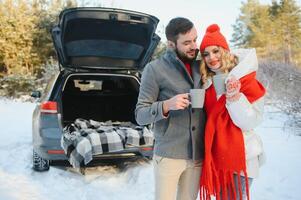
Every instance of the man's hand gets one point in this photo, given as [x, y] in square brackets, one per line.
[232, 89]
[178, 102]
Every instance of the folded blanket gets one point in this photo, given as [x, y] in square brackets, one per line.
[83, 139]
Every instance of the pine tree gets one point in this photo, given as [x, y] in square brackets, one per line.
[273, 30]
[17, 28]
[47, 12]
[25, 39]
[289, 24]
[252, 27]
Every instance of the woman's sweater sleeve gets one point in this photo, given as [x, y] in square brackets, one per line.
[244, 114]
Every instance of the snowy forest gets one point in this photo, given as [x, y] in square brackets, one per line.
[28, 59]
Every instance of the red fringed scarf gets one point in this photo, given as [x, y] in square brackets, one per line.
[224, 144]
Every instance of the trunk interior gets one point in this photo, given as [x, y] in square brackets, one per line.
[100, 97]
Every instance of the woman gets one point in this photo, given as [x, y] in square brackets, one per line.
[232, 150]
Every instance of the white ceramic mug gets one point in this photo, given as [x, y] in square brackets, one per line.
[219, 83]
[197, 97]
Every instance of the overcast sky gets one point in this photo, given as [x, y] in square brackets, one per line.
[201, 12]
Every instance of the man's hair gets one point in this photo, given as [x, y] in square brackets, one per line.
[176, 26]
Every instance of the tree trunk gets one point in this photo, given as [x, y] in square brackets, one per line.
[287, 48]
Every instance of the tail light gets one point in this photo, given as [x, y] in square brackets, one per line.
[146, 148]
[49, 107]
[55, 151]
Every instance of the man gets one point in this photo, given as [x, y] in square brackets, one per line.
[164, 101]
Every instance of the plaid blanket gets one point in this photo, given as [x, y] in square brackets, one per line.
[83, 139]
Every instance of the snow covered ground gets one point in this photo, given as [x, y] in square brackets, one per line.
[280, 177]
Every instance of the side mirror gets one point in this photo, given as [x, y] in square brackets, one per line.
[36, 94]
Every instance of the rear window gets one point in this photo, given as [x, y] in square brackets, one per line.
[85, 83]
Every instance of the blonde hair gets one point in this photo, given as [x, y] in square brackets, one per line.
[229, 61]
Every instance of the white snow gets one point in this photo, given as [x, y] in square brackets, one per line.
[280, 177]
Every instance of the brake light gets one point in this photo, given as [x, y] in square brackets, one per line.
[147, 148]
[49, 107]
[53, 151]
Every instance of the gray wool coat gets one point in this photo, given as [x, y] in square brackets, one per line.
[180, 135]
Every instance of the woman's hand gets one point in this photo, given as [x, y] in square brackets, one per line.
[232, 89]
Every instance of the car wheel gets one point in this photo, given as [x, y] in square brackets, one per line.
[39, 164]
[149, 157]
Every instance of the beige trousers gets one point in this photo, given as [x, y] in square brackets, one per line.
[176, 178]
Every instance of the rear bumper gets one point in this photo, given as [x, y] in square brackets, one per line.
[55, 153]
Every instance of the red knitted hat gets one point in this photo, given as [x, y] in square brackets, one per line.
[213, 37]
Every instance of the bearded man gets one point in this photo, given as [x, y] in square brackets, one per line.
[164, 102]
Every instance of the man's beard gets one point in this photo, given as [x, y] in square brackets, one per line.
[183, 57]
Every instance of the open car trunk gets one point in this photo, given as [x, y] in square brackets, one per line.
[100, 97]
[104, 38]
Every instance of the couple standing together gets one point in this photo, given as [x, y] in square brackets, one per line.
[211, 151]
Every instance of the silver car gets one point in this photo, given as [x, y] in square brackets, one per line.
[101, 52]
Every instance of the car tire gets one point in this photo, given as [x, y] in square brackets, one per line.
[149, 157]
[38, 163]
